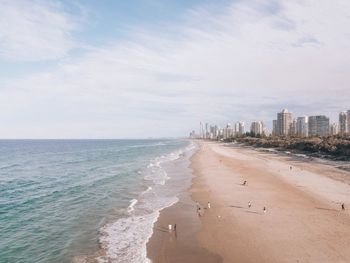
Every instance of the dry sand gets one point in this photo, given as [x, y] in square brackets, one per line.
[303, 223]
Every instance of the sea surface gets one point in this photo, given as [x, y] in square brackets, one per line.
[85, 200]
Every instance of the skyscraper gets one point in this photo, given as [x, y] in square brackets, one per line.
[206, 131]
[302, 126]
[334, 129]
[274, 128]
[293, 127]
[343, 122]
[239, 128]
[284, 120]
[257, 127]
[348, 121]
[318, 125]
[228, 131]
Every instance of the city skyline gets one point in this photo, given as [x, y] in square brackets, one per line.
[286, 124]
[112, 69]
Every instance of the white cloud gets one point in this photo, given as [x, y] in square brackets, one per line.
[34, 30]
[245, 63]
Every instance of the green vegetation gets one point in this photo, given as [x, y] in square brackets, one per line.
[335, 147]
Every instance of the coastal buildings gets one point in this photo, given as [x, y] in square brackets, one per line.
[228, 132]
[257, 127]
[213, 132]
[274, 127]
[207, 135]
[348, 121]
[239, 128]
[334, 129]
[293, 128]
[283, 123]
[302, 126]
[318, 125]
[343, 122]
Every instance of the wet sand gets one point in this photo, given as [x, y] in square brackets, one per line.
[303, 223]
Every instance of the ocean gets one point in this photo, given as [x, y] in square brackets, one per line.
[86, 200]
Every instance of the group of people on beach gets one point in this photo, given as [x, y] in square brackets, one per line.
[172, 228]
[250, 203]
[265, 210]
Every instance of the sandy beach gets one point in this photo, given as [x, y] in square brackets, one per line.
[303, 221]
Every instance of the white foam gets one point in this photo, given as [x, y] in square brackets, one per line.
[125, 239]
[133, 202]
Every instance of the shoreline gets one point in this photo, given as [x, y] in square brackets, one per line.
[303, 220]
[182, 245]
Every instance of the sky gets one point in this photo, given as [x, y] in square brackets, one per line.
[152, 68]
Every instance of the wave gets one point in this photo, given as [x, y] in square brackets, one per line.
[149, 145]
[130, 208]
[125, 239]
[10, 166]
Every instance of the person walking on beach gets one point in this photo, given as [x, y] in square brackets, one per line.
[175, 231]
[343, 206]
[208, 205]
[264, 210]
[198, 209]
[249, 204]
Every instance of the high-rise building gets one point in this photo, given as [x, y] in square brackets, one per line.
[239, 128]
[284, 120]
[206, 131]
[318, 125]
[236, 128]
[274, 128]
[343, 122]
[213, 132]
[257, 127]
[193, 134]
[334, 129]
[348, 121]
[228, 132]
[302, 126]
[293, 128]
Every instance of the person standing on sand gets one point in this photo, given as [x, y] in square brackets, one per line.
[249, 204]
[264, 210]
[343, 206]
[208, 205]
[244, 183]
[175, 231]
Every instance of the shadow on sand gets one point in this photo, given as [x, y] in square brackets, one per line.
[252, 212]
[327, 209]
[161, 229]
[236, 206]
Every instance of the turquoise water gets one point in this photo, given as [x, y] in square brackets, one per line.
[58, 197]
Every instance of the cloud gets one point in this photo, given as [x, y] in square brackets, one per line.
[307, 40]
[219, 67]
[35, 30]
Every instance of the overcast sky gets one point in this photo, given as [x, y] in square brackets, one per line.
[153, 68]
